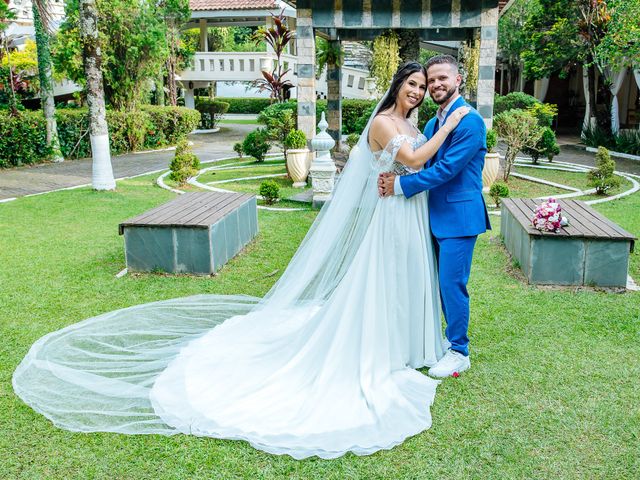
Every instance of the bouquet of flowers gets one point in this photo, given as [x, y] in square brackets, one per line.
[548, 217]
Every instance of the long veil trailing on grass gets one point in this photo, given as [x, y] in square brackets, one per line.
[268, 371]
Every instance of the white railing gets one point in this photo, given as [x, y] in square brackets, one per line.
[247, 66]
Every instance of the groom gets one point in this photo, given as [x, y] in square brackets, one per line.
[457, 211]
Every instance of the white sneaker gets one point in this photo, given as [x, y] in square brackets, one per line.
[452, 363]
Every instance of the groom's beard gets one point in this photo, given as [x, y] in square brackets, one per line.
[447, 96]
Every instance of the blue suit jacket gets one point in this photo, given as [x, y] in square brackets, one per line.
[453, 178]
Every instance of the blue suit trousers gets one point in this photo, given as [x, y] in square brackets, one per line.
[454, 257]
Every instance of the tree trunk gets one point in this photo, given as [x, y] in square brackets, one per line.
[171, 66]
[46, 81]
[98, 130]
[160, 90]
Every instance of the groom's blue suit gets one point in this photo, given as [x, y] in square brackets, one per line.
[457, 213]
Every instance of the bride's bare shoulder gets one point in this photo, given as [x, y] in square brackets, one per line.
[382, 130]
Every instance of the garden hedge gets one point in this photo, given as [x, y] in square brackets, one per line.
[23, 138]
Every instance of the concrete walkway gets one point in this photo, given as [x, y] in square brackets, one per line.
[18, 182]
[29, 180]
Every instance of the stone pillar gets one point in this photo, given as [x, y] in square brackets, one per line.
[487, 66]
[204, 40]
[306, 73]
[189, 99]
[323, 170]
[334, 98]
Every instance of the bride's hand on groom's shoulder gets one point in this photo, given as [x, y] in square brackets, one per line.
[456, 116]
[386, 181]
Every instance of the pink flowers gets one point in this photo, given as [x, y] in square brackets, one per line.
[547, 217]
[455, 375]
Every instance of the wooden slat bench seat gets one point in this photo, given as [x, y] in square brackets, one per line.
[592, 250]
[194, 233]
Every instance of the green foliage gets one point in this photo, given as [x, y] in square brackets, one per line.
[492, 140]
[602, 177]
[546, 146]
[256, 144]
[385, 60]
[185, 164]
[246, 105]
[513, 100]
[134, 46]
[211, 111]
[621, 46]
[352, 111]
[512, 38]
[239, 149]
[295, 139]
[327, 54]
[544, 112]
[352, 140]
[625, 141]
[23, 138]
[497, 191]
[426, 111]
[519, 129]
[270, 191]
[279, 119]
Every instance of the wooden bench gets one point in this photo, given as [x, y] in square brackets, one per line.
[591, 250]
[194, 233]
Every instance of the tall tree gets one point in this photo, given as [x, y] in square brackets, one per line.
[42, 26]
[385, 59]
[512, 39]
[408, 44]
[621, 45]
[102, 172]
[175, 13]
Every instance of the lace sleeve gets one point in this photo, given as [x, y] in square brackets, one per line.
[385, 158]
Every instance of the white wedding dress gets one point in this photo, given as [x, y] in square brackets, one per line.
[323, 365]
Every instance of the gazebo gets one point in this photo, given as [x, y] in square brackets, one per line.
[434, 20]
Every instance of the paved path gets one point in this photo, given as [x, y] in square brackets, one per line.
[18, 182]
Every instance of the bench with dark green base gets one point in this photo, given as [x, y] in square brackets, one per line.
[591, 250]
[195, 233]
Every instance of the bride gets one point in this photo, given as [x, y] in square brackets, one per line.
[324, 364]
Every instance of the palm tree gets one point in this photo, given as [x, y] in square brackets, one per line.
[102, 178]
[42, 26]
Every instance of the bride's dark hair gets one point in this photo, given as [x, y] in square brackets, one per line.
[404, 70]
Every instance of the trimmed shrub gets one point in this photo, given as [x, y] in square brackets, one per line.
[513, 100]
[626, 141]
[246, 105]
[544, 112]
[497, 191]
[602, 177]
[256, 144]
[546, 146]
[175, 123]
[23, 139]
[352, 140]
[270, 191]
[185, 164]
[426, 111]
[211, 111]
[519, 129]
[295, 139]
[352, 111]
[492, 140]
[239, 149]
[362, 121]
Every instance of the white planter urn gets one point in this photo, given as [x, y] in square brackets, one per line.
[323, 170]
[490, 170]
[298, 165]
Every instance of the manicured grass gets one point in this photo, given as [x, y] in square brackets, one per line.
[552, 392]
[240, 121]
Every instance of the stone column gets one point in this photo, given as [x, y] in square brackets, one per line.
[189, 98]
[323, 169]
[306, 73]
[204, 40]
[487, 66]
[334, 98]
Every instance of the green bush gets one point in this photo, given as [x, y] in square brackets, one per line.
[246, 105]
[279, 119]
[362, 121]
[519, 129]
[513, 100]
[23, 138]
[185, 163]
[626, 141]
[256, 144]
[295, 139]
[239, 149]
[492, 140]
[270, 191]
[352, 140]
[352, 111]
[544, 112]
[497, 191]
[546, 146]
[426, 112]
[211, 111]
[602, 177]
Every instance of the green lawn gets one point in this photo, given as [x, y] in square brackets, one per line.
[240, 121]
[552, 392]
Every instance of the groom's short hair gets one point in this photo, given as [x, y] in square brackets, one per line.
[440, 59]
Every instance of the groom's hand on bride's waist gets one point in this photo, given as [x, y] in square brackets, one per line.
[385, 184]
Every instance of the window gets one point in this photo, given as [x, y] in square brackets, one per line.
[361, 83]
[212, 65]
[221, 65]
[350, 80]
[202, 65]
[241, 63]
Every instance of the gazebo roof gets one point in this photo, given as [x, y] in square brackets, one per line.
[232, 4]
